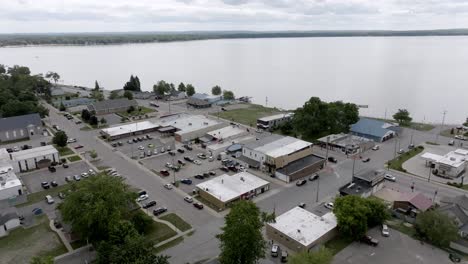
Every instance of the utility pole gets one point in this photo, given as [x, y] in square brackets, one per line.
[435, 194]
[430, 172]
[411, 141]
[442, 127]
[394, 151]
[326, 155]
[318, 189]
[354, 162]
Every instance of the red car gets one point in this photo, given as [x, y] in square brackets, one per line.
[78, 147]
[198, 206]
[164, 172]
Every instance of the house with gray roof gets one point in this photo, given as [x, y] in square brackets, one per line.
[9, 220]
[20, 127]
[75, 102]
[376, 130]
[456, 208]
[112, 106]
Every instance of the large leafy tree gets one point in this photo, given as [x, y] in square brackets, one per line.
[356, 214]
[228, 95]
[114, 95]
[242, 241]
[190, 89]
[317, 118]
[128, 95]
[53, 75]
[436, 227]
[60, 139]
[133, 84]
[321, 256]
[181, 87]
[162, 88]
[216, 90]
[96, 205]
[402, 116]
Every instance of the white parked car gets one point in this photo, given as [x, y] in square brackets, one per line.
[84, 175]
[141, 148]
[329, 205]
[49, 199]
[188, 199]
[155, 152]
[71, 140]
[376, 147]
[142, 197]
[168, 186]
[385, 231]
[197, 162]
[390, 177]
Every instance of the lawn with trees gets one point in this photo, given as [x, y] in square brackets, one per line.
[216, 90]
[133, 84]
[60, 139]
[100, 209]
[190, 89]
[321, 256]
[402, 116]
[18, 90]
[441, 236]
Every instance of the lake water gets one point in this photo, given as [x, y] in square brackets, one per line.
[426, 75]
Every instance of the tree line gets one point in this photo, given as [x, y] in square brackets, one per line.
[19, 92]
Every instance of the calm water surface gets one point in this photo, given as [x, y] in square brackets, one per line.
[426, 75]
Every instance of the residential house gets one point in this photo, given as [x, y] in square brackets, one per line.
[9, 220]
[456, 208]
[412, 203]
[21, 127]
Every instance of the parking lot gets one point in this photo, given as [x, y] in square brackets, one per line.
[132, 149]
[397, 248]
[33, 179]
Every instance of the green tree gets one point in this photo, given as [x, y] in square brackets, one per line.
[189, 89]
[162, 88]
[97, 95]
[2, 69]
[103, 121]
[242, 241]
[403, 117]
[93, 120]
[466, 122]
[96, 205]
[114, 95]
[53, 75]
[436, 227]
[228, 95]
[378, 212]
[216, 90]
[19, 70]
[85, 115]
[60, 139]
[316, 118]
[42, 260]
[130, 109]
[62, 107]
[181, 87]
[321, 256]
[133, 84]
[93, 154]
[128, 95]
[351, 213]
[96, 86]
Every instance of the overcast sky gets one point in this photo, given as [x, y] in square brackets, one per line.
[179, 15]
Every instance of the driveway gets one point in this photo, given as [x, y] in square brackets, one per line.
[396, 249]
[33, 180]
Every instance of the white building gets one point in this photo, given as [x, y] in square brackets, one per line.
[190, 127]
[225, 189]
[9, 220]
[127, 130]
[452, 164]
[10, 185]
[227, 133]
[269, 122]
[301, 230]
[34, 158]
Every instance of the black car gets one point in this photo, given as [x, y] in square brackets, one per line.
[114, 144]
[149, 204]
[135, 140]
[313, 177]
[366, 160]
[233, 168]
[52, 169]
[225, 169]
[213, 173]
[332, 159]
[180, 150]
[370, 240]
[301, 182]
[181, 162]
[186, 181]
[54, 184]
[172, 153]
[64, 165]
[199, 206]
[199, 176]
[188, 147]
[164, 172]
[45, 185]
[159, 211]
[187, 158]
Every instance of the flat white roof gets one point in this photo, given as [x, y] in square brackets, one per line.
[227, 132]
[34, 152]
[8, 177]
[228, 143]
[274, 117]
[454, 158]
[129, 128]
[4, 155]
[304, 226]
[190, 123]
[283, 146]
[227, 188]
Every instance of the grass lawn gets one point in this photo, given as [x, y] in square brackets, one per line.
[38, 196]
[74, 158]
[177, 222]
[169, 244]
[144, 110]
[399, 160]
[398, 225]
[64, 151]
[159, 232]
[23, 244]
[337, 244]
[249, 115]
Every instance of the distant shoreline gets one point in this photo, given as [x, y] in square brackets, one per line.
[104, 39]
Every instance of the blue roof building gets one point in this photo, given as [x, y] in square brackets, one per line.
[373, 129]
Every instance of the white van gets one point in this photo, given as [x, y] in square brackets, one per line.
[49, 199]
[274, 250]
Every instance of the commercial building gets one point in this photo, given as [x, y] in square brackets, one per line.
[300, 230]
[21, 127]
[376, 130]
[9, 220]
[225, 189]
[208, 97]
[226, 133]
[190, 127]
[137, 128]
[10, 185]
[270, 122]
[300, 168]
[228, 146]
[198, 103]
[35, 158]
[451, 165]
[112, 106]
[364, 183]
[275, 152]
[348, 144]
